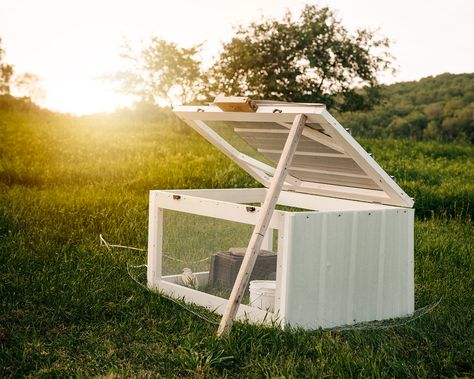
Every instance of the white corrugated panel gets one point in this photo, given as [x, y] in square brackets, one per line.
[348, 267]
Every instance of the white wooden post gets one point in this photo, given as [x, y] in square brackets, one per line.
[262, 225]
[267, 243]
[155, 243]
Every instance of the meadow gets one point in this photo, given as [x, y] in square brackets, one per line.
[69, 308]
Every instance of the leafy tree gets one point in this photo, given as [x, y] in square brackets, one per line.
[311, 59]
[161, 71]
[440, 108]
[6, 72]
[28, 85]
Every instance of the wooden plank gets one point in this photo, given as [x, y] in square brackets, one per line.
[308, 153]
[215, 303]
[331, 178]
[328, 172]
[319, 137]
[262, 115]
[235, 104]
[244, 131]
[261, 226]
[254, 125]
[232, 195]
[324, 203]
[305, 145]
[213, 208]
[155, 242]
[312, 125]
[342, 192]
[329, 164]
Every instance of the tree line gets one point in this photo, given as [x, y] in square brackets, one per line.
[309, 58]
[433, 108]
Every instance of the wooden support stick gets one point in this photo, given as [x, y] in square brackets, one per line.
[262, 225]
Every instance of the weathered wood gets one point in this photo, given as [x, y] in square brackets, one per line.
[262, 225]
[235, 104]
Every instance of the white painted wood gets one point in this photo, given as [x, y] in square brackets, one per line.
[267, 243]
[325, 204]
[261, 225]
[347, 259]
[233, 195]
[343, 192]
[410, 252]
[346, 262]
[155, 242]
[244, 131]
[213, 208]
[308, 153]
[270, 142]
[328, 172]
[334, 136]
[289, 198]
[285, 237]
[216, 304]
[319, 137]
[340, 180]
[202, 276]
[396, 194]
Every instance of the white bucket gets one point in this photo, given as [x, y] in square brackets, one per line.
[262, 294]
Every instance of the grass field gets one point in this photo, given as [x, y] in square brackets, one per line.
[69, 308]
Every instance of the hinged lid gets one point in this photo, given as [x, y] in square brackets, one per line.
[328, 160]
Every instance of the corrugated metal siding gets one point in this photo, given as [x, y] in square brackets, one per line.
[349, 267]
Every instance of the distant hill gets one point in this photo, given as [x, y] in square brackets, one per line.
[433, 108]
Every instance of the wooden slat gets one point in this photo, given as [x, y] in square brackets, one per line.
[250, 132]
[311, 170]
[276, 142]
[319, 137]
[334, 137]
[322, 163]
[334, 179]
[308, 153]
[312, 125]
[254, 125]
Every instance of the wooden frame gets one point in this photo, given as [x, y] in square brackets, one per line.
[356, 227]
[393, 268]
[221, 204]
[340, 140]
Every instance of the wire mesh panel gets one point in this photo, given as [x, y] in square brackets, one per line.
[189, 240]
[206, 253]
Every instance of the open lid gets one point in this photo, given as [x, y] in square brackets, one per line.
[328, 161]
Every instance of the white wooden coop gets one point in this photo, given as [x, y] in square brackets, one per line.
[345, 257]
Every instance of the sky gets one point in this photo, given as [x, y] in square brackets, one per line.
[71, 44]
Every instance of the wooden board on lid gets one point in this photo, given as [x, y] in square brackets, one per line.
[235, 104]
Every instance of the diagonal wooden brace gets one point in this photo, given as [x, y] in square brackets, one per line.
[261, 226]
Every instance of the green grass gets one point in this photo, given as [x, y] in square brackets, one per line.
[69, 308]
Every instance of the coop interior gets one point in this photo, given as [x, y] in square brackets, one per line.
[205, 254]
